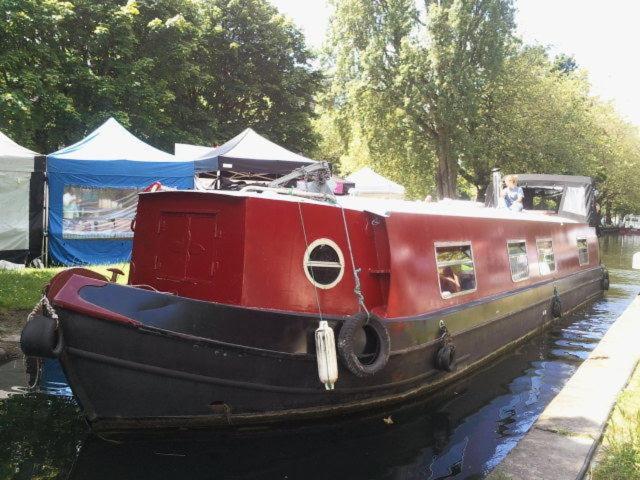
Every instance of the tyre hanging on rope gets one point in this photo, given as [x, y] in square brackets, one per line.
[605, 279]
[41, 336]
[364, 345]
[556, 304]
[445, 357]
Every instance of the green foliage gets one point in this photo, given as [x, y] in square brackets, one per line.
[621, 446]
[435, 98]
[534, 119]
[41, 435]
[170, 70]
[411, 81]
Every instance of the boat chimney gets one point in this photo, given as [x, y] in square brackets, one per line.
[496, 182]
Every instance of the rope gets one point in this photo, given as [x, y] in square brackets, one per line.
[306, 241]
[32, 385]
[46, 306]
[357, 289]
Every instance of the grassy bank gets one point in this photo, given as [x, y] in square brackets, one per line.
[621, 444]
[21, 289]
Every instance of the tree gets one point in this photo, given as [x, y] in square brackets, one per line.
[32, 80]
[534, 118]
[425, 71]
[565, 63]
[170, 70]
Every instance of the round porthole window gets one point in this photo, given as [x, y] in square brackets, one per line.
[323, 263]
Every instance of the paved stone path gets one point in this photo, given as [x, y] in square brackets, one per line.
[560, 444]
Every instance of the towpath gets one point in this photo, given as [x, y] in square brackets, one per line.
[11, 323]
[561, 443]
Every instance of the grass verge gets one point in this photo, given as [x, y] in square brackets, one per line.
[21, 289]
[621, 445]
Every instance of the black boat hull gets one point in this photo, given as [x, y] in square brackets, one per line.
[175, 372]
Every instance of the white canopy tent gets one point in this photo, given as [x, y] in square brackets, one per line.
[21, 197]
[371, 184]
[186, 151]
[250, 152]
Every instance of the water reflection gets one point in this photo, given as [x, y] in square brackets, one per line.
[463, 433]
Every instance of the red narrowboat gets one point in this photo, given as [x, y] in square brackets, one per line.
[238, 303]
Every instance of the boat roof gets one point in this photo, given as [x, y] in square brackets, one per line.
[449, 207]
[387, 207]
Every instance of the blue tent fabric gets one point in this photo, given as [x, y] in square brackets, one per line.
[109, 157]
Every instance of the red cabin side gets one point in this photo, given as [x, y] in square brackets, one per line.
[250, 251]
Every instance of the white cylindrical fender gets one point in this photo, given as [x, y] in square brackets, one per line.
[635, 263]
[326, 355]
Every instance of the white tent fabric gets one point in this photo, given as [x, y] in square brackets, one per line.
[16, 166]
[13, 157]
[371, 184]
[250, 152]
[186, 151]
[110, 137]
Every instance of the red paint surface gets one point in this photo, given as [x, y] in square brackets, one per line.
[249, 251]
[69, 297]
[60, 278]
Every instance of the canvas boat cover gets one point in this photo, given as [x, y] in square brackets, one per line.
[577, 194]
[250, 152]
[93, 193]
[21, 197]
[372, 184]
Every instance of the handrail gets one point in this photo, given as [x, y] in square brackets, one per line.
[289, 191]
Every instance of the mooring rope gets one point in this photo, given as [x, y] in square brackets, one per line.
[48, 308]
[306, 241]
[357, 289]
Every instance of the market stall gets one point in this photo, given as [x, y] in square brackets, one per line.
[93, 193]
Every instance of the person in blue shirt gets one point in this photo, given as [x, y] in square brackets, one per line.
[512, 195]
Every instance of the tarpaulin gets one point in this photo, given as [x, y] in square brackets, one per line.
[21, 200]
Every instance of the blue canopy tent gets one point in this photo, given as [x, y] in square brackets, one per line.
[93, 191]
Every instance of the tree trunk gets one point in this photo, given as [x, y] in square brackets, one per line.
[447, 171]
[482, 191]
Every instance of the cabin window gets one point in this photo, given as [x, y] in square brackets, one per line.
[518, 262]
[456, 272]
[323, 263]
[583, 251]
[546, 258]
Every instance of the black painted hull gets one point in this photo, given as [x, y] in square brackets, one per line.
[129, 377]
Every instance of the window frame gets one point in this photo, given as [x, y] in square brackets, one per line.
[578, 239]
[306, 259]
[463, 243]
[124, 234]
[555, 264]
[526, 254]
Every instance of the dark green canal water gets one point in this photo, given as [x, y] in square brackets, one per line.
[463, 434]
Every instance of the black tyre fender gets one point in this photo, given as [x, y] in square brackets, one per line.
[40, 337]
[445, 357]
[346, 342]
[556, 306]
